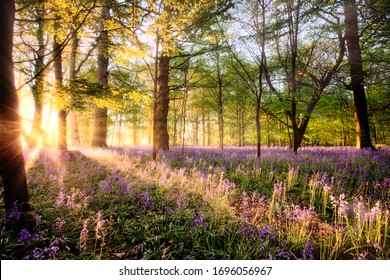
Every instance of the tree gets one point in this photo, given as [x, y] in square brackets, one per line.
[254, 75]
[175, 21]
[58, 75]
[356, 72]
[99, 138]
[12, 170]
[303, 62]
[38, 74]
[218, 90]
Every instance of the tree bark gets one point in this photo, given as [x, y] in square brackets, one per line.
[12, 170]
[162, 104]
[57, 52]
[356, 71]
[99, 138]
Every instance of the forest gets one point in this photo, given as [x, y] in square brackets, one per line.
[204, 130]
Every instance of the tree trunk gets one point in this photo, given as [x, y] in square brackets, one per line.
[258, 129]
[299, 130]
[203, 121]
[99, 138]
[162, 105]
[356, 72]
[357, 129]
[12, 170]
[208, 130]
[62, 142]
[73, 115]
[37, 87]
[196, 128]
[238, 123]
[221, 125]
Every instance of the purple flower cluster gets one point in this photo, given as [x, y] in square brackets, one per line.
[135, 252]
[199, 222]
[14, 214]
[308, 251]
[47, 253]
[146, 201]
[27, 238]
[341, 205]
[252, 233]
[84, 235]
[99, 228]
[297, 214]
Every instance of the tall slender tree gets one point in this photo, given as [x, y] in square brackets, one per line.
[38, 79]
[12, 170]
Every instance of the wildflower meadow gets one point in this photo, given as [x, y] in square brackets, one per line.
[323, 203]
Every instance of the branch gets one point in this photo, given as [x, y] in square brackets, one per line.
[61, 46]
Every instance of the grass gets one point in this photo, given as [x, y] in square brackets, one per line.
[323, 203]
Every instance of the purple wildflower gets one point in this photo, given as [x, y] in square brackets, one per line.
[100, 222]
[199, 222]
[35, 254]
[25, 236]
[170, 210]
[307, 251]
[84, 236]
[14, 214]
[340, 204]
[146, 201]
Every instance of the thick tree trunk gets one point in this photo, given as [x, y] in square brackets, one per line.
[162, 105]
[300, 129]
[357, 130]
[57, 52]
[99, 138]
[62, 141]
[356, 72]
[12, 169]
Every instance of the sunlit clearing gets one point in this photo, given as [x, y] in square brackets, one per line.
[49, 134]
